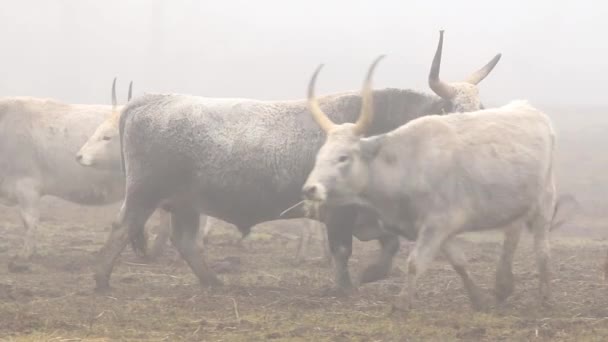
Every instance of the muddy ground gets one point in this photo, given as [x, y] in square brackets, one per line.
[270, 297]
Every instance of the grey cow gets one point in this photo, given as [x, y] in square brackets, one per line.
[38, 141]
[242, 161]
[102, 151]
[440, 176]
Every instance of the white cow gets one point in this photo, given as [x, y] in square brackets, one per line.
[38, 141]
[442, 175]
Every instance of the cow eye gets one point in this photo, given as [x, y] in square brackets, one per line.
[106, 138]
[343, 159]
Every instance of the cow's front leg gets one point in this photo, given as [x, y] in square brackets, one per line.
[459, 263]
[306, 231]
[29, 199]
[340, 236]
[131, 221]
[428, 244]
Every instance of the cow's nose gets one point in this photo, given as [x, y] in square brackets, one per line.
[78, 157]
[309, 191]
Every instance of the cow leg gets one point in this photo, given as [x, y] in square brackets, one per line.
[606, 267]
[340, 223]
[389, 246]
[428, 244]
[29, 198]
[504, 272]
[324, 240]
[206, 229]
[304, 240]
[457, 259]
[540, 227]
[185, 223]
[132, 218]
[164, 231]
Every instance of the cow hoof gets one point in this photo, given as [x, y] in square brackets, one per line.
[102, 284]
[502, 294]
[227, 265]
[155, 252]
[400, 308]
[18, 265]
[211, 282]
[481, 303]
[504, 289]
[374, 273]
[143, 259]
[547, 304]
[102, 289]
[298, 261]
[336, 292]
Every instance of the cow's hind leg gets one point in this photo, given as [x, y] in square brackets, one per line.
[132, 218]
[162, 237]
[428, 244]
[539, 225]
[185, 223]
[457, 259]
[504, 272]
[28, 197]
[606, 267]
[380, 269]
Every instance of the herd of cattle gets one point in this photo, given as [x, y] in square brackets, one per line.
[376, 165]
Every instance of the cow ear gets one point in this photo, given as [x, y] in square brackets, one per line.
[370, 146]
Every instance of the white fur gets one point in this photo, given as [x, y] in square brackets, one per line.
[38, 141]
[443, 175]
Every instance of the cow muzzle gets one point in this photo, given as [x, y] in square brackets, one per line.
[82, 160]
[314, 192]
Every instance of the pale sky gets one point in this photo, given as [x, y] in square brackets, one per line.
[554, 52]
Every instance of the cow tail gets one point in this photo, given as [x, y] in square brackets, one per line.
[121, 133]
[137, 237]
[561, 202]
[136, 233]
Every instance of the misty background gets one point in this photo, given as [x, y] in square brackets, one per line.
[554, 54]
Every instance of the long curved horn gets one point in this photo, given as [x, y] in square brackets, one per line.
[313, 105]
[444, 90]
[130, 91]
[114, 92]
[480, 74]
[367, 100]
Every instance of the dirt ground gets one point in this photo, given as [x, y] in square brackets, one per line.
[269, 297]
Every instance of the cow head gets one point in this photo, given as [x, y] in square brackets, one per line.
[463, 96]
[102, 150]
[341, 166]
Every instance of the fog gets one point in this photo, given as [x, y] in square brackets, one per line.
[553, 51]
